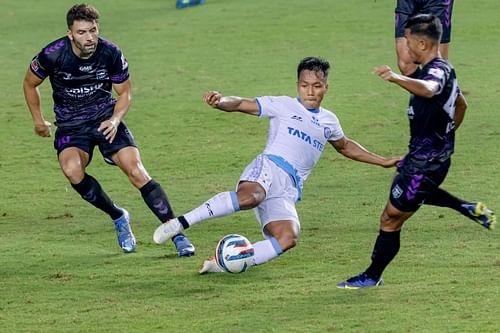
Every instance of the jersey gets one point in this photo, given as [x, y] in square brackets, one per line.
[296, 134]
[81, 88]
[432, 129]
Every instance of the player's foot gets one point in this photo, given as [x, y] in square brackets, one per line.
[183, 246]
[210, 266]
[479, 213]
[167, 230]
[126, 239]
[360, 281]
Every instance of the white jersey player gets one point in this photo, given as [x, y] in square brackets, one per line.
[272, 183]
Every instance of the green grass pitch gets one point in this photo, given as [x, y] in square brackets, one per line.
[61, 269]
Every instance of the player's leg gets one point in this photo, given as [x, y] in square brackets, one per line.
[385, 249]
[73, 161]
[248, 195]
[408, 192]
[280, 237]
[251, 191]
[476, 211]
[128, 159]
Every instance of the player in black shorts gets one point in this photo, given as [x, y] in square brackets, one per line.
[435, 110]
[408, 8]
[83, 69]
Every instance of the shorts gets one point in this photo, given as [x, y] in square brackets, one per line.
[281, 193]
[408, 8]
[415, 180]
[86, 137]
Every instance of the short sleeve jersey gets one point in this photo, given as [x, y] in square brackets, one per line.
[297, 134]
[82, 88]
[432, 129]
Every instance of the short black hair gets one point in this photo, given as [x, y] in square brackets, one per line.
[81, 12]
[425, 25]
[314, 64]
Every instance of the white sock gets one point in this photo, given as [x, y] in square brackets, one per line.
[266, 250]
[221, 204]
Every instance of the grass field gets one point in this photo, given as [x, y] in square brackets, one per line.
[61, 269]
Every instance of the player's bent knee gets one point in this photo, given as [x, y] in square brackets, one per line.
[288, 241]
[138, 176]
[73, 172]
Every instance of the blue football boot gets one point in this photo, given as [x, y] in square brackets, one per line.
[360, 281]
[126, 239]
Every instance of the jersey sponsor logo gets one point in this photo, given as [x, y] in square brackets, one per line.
[295, 117]
[306, 138]
[67, 76]
[86, 68]
[83, 91]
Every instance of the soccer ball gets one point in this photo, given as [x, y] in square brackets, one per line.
[234, 253]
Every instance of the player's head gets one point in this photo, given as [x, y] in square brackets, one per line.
[83, 29]
[423, 33]
[425, 25]
[312, 81]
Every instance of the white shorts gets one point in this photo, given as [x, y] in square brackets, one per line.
[281, 193]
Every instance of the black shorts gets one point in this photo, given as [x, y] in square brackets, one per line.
[415, 180]
[86, 137]
[408, 8]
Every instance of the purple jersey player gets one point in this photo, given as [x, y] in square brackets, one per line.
[435, 110]
[83, 69]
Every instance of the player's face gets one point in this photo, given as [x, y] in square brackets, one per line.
[84, 36]
[413, 44]
[311, 87]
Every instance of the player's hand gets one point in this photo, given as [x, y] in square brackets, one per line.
[43, 129]
[386, 73]
[212, 98]
[391, 162]
[109, 128]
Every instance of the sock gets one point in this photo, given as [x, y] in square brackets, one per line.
[92, 192]
[416, 73]
[441, 198]
[266, 250]
[385, 249]
[155, 197]
[221, 204]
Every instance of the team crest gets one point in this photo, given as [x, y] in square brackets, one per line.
[327, 132]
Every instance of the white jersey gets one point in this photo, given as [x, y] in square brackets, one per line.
[296, 134]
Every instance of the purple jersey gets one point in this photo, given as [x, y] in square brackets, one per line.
[432, 129]
[82, 88]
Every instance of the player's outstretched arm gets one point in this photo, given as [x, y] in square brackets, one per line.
[422, 88]
[231, 103]
[353, 150]
[33, 100]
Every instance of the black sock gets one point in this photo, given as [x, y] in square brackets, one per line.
[385, 249]
[416, 73]
[92, 192]
[156, 199]
[441, 198]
